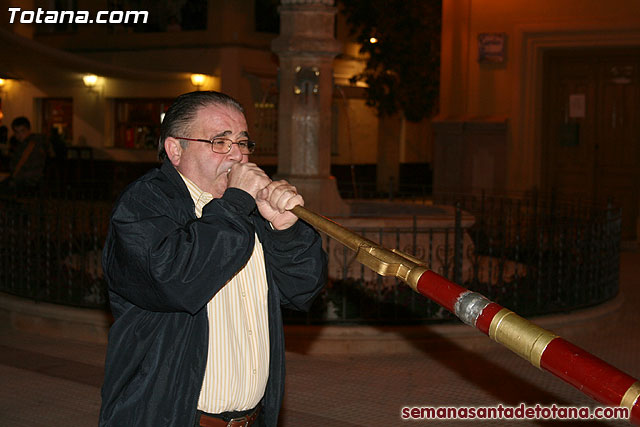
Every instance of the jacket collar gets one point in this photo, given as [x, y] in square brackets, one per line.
[174, 177]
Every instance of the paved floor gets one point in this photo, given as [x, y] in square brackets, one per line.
[47, 382]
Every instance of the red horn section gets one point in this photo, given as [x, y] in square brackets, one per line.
[440, 290]
[587, 373]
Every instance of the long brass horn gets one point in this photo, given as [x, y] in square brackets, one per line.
[540, 347]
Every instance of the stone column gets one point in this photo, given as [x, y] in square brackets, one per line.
[306, 48]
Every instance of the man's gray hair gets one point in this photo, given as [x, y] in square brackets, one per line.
[182, 112]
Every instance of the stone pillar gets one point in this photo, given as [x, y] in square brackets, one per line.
[306, 48]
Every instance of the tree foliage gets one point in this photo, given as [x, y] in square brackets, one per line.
[403, 67]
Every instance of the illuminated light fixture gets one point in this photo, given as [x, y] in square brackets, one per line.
[4, 85]
[198, 80]
[373, 40]
[90, 80]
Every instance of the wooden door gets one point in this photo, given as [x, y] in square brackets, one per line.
[591, 128]
[569, 127]
[617, 165]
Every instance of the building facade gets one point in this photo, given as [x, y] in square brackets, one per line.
[533, 96]
[541, 95]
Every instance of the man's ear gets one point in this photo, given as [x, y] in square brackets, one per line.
[174, 150]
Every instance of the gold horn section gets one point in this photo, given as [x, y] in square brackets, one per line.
[519, 335]
[383, 261]
[631, 396]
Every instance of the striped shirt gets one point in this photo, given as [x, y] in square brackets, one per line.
[238, 350]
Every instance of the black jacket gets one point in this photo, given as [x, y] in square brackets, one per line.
[163, 265]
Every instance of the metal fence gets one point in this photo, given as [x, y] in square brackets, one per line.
[534, 255]
[50, 248]
[531, 254]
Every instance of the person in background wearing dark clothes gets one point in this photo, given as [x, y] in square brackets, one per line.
[27, 163]
[200, 255]
[57, 164]
[58, 145]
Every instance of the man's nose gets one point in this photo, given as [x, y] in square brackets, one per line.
[235, 153]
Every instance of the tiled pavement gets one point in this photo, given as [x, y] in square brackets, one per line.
[47, 382]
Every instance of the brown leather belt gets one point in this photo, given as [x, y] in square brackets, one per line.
[244, 421]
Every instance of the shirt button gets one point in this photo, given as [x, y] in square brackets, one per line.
[249, 331]
[243, 294]
[254, 372]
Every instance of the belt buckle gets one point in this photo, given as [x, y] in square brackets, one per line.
[245, 420]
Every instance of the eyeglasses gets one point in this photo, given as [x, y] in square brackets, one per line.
[223, 145]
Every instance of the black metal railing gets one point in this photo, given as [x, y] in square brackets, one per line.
[535, 255]
[532, 254]
[51, 246]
